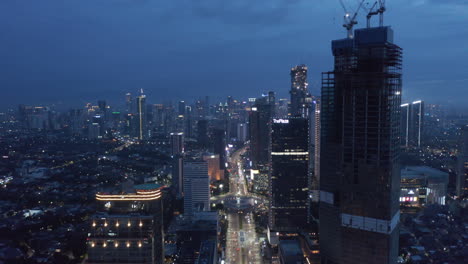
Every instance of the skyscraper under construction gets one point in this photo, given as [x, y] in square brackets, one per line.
[359, 168]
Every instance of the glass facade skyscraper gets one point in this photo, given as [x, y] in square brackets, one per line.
[289, 174]
[259, 129]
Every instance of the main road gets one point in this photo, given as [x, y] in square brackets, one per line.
[242, 244]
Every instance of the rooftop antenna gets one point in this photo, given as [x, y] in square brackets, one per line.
[350, 21]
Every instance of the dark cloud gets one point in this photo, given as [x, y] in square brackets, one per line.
[244, 11]
[56, 50]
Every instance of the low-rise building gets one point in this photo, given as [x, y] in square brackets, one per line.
[421, 185]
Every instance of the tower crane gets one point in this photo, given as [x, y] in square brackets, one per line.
[350, 21]
[379, 11]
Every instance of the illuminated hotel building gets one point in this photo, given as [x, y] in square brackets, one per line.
[360, 150]
[289, 174]
[129, 227]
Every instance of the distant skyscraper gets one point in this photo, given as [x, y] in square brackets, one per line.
[259, 129]
[289, 174]
[282, 108]
[141, 116]
[76, 120]
[177, 153]
[102, 106]
[178, 175]
[405, 124]
[298, 91]
[196, 187]
[100, 119]
[94, 131]
[181, 108]
[35, 117]
[316, 137]
[214, 172]
[177, 143]
[230, 104]
[219, 145]
[188, 122]
[129, 103]
[462, 172]
[128, 228]
[412, 118]
[202, 133]
[242, 132]
[416, 123]
[315, 156]
[360, 168]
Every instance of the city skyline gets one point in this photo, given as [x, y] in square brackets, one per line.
[221, 132]
[105, 49]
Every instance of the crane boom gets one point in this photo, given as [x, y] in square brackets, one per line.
[371, 13]
[378, 11]
[381, 11]
[349, 21]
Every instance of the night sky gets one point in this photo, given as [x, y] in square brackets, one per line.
[70, 52]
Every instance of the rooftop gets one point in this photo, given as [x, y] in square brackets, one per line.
[422, 172]
[148, 186]
[290, 248]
